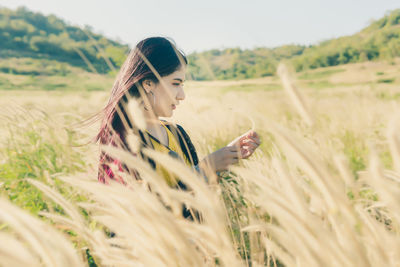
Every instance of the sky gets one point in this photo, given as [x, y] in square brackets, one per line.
[206, 24]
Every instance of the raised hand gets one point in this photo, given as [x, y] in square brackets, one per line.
[248, 143]
[222, 158]
[240, 148]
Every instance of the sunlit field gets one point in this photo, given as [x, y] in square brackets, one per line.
[322, 190]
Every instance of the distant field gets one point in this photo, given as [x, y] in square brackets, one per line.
[45, 75]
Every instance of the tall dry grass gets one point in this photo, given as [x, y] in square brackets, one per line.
[322, 191]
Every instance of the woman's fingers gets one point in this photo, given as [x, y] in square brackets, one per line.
[233, 160]
[235, 154]
[234, 148]
[246, 153]
[252, 135]
[256, 140]
[250, 143]
[242, 148]
[255, 137]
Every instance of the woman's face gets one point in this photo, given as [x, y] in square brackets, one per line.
[167, 93]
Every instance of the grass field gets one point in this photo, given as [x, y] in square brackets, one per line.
[323, 190]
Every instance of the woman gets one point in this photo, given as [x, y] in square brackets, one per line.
[153, 75]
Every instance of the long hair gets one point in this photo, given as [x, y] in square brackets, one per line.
[152, 58]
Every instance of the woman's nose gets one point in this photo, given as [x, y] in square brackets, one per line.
[181, 94]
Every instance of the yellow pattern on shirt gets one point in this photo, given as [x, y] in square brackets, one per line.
[173, 145]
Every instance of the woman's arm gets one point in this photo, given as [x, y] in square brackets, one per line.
[242, 147]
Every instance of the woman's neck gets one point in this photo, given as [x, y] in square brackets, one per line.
[155, 128]
[153, 124]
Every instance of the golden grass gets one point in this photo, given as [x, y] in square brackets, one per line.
[323, 190]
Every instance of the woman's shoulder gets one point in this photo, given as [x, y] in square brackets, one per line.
[184, 141]
[173, 125]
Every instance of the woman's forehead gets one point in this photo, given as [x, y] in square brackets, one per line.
[178, 75]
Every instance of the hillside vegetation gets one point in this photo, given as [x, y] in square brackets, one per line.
[32, 35]
[235, 63]
[379, 41]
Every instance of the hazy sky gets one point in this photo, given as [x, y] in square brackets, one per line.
[204, 24]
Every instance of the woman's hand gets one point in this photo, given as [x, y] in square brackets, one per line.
[221, 159]
[240, 148]
[247, 143]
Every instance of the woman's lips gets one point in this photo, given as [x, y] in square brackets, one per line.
[173, 107]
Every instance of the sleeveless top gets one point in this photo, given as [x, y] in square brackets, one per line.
[173, 149]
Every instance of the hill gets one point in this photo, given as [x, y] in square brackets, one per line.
[33, 44]
[26, 34]
[379, 41]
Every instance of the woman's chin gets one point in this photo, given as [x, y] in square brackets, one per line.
[167, 114]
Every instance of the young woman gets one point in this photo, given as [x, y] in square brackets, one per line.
[153, 75]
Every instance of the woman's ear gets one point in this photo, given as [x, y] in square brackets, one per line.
[148, 85]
